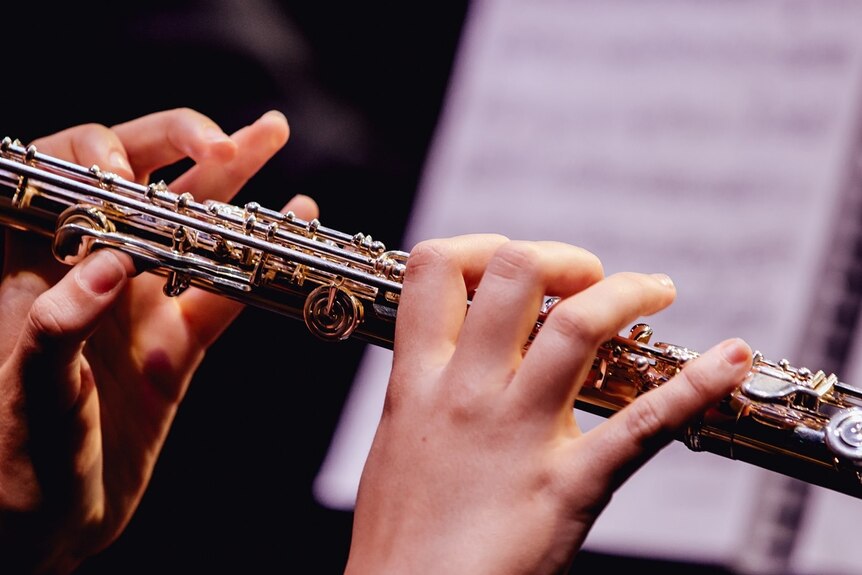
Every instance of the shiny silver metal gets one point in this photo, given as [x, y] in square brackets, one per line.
[802, 424]
[340, 285]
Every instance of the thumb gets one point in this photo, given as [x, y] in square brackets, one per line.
[637, 432]
[61, 319]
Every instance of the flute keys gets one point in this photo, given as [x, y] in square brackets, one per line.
[331, 312]
[844, 435]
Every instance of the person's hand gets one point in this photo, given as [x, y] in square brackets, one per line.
[478, 464]
[95, 358]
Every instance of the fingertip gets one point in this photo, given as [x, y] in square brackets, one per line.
[219, 146]
[278, 127]
[276, 116]
[664, 280]
[119, 164]
[104, 271]
[668, 288]
[736, 351]
[303, 207]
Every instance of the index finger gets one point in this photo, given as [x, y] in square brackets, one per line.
[637, 432]
[163, 138]
[440, 275]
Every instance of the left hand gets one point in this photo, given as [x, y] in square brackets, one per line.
[95, 361]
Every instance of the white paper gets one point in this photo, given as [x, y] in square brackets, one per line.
[828, 542]
[692, 138]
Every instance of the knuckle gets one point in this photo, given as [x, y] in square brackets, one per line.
[513, 260]
[644, 420]
[178, 113]
[92, 130]
[86, 135]
[592, 265]
[44, 319]
[78, 135]
[429, 255]
[470, 403]
[574, 324]
[695, 379]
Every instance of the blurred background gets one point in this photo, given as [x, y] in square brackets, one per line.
[364, 88]
[361, 86]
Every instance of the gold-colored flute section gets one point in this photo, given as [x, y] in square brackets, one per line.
[794, 421]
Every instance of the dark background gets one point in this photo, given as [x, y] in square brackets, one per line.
[362, 86]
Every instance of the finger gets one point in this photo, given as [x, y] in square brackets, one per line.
[163, 138]
[504, 309]
[208, 314]
[563, 350]
[61, 319]
[620, 445]
[440, 275]
[29, 267]
[25, 277]
[87, 145]
[256, 144]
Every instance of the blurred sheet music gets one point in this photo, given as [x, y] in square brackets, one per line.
[708, 140]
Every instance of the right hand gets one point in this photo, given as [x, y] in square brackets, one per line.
[478, 464]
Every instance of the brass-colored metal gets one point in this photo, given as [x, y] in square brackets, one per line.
[791, 420]
[262, 257]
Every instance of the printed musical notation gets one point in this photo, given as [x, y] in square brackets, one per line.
[712, 141]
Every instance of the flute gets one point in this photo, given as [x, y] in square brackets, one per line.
[802, 423]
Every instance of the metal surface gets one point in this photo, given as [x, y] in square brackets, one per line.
[800, 423]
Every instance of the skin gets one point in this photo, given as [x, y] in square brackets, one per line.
[478, 465]
[95, 359]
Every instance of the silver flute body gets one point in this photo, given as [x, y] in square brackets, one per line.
[802, 423]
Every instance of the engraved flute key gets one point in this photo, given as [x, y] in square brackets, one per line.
[791, 420]
[340, 285]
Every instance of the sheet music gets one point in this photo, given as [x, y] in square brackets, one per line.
[828, 542]
[707, 140]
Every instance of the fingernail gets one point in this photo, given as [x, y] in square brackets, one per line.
[735, 351]
[663, 279]
[119, 162]
[100, 272]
